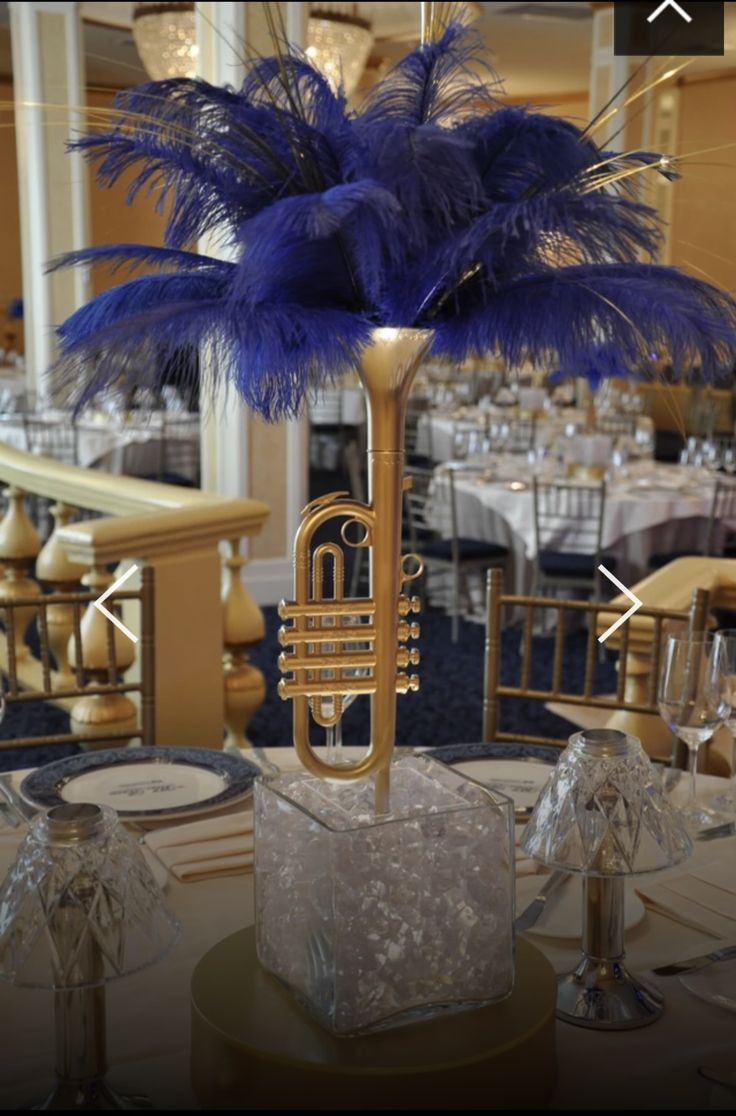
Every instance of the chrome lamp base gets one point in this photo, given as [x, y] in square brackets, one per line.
[603, 994]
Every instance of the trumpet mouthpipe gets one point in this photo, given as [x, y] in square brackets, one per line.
[289, 687]
[339, 661]
[290, 637]
[352, 607]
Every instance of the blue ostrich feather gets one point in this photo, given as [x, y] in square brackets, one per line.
[431, 206]
[603, 363]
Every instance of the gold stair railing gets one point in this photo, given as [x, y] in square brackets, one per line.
[202, 678]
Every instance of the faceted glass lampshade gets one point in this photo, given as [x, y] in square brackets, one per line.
[79, 906]
[603, 811]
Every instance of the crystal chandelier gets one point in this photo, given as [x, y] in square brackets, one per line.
[338, 43]
[166, 40]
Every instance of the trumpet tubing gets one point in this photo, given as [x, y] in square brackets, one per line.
[337, 646]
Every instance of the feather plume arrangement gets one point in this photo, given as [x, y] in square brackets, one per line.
[432, 206]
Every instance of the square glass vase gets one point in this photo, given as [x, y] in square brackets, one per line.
[374, 921]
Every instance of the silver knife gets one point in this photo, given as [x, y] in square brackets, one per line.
[533, 912]
[695, 963]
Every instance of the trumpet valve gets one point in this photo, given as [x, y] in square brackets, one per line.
[408, 657]
[406, 683]
[409, 604]
[408, 631]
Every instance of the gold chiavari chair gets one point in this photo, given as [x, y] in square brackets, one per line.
[529, 687]
[44, 683]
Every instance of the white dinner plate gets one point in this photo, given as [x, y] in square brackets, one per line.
[519, 779]
[144, 784]
[716, 984]
[562, 916]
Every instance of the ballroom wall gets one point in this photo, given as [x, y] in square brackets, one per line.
[703, 211]
[112, 221]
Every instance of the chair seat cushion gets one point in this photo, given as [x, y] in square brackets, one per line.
[470, 550]
[557, 563]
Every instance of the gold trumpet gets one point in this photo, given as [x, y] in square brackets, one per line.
[319, 670]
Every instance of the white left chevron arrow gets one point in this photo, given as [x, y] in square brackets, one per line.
[99, 605]
[627, 615]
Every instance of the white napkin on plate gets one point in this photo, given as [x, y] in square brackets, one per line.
[218, 846]
[703, 897]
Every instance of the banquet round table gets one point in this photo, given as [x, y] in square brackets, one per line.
[650, 508]
[148, 1013]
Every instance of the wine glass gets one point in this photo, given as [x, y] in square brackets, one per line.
[693, 701]
[728, 458]
[711, 455]
[726, 640]
[333, 733]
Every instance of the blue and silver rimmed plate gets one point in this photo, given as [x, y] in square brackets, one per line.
[517, 770]
[144, 784]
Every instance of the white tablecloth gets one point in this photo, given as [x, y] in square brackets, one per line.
[148, 1014]
[436, 429]
[111, 446]
[654, 508]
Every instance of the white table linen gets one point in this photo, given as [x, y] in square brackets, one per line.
[436, 429]
[653, 508]
[148, 1013]
[109, 445]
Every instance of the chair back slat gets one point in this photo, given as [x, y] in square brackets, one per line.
[493, 690]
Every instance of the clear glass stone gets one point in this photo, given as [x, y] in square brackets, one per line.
[374, 921]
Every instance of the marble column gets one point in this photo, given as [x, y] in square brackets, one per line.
[49, 88]
[242, 456]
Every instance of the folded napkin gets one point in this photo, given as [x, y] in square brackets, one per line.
[703, 897]
[200, 850]
[223, 846]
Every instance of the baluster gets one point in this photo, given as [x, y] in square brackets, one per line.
[19, 545]
[245, 686]
[60, 573]
[96, 713]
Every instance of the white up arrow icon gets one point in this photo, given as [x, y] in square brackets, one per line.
[99, 605]
[663, 8]
[627, 615]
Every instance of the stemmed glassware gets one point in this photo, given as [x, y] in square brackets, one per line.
[726, 641]
[694, 696]
[333, 733]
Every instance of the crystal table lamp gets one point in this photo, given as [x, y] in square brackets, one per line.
[603, 814]
[79, 908]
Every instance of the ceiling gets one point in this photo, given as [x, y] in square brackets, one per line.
[539, 49]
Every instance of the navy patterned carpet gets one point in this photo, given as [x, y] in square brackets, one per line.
[447, 709]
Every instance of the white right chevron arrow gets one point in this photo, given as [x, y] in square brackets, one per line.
[627, 615]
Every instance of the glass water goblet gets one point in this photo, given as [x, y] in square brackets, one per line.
[693, 701]
[726, 640]
[333, 733]
[728, 458]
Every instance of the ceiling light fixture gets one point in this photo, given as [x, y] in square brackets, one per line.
[339, 42]
[166, 39]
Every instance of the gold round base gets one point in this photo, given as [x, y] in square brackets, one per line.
[254, 1046]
